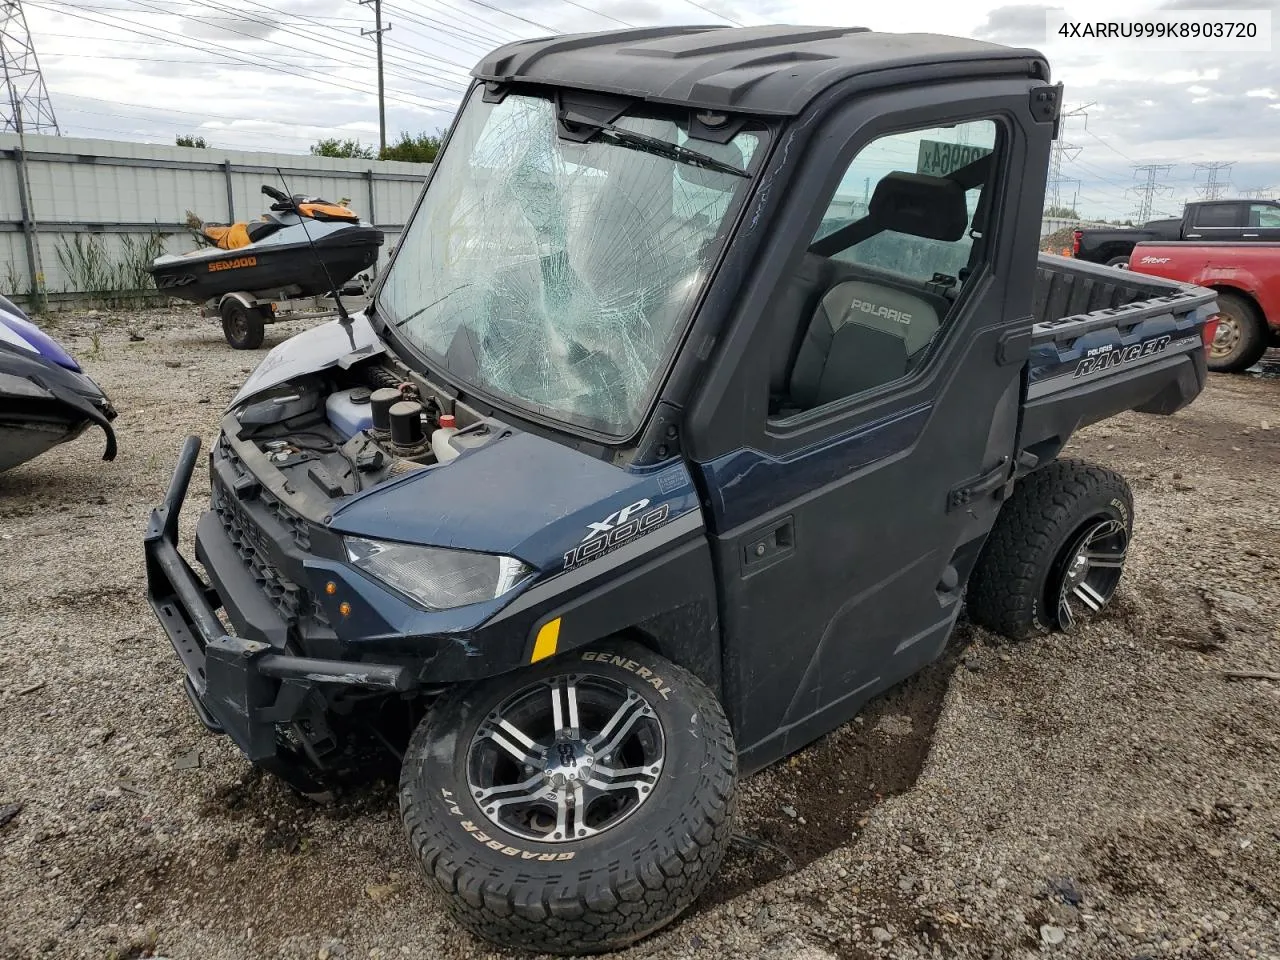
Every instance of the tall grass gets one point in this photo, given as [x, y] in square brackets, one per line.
[119, 280]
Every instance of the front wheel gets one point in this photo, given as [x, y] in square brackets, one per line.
[574, 806]
[1056, 552]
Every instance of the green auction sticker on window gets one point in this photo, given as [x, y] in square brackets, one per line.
[939, 158]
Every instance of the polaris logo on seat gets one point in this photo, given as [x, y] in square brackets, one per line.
[876, 310]
[1104, 358]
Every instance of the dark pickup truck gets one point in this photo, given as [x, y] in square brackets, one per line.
[650, 463]
[1237, 221]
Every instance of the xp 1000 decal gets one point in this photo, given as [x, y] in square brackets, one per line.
[616, 530]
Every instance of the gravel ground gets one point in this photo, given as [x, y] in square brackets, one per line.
[1110, 795]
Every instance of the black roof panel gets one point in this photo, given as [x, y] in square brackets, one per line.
[765, 70]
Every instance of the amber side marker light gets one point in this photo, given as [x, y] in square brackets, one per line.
[331, 588]
[344, 608]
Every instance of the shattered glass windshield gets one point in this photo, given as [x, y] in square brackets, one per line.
[557, 275]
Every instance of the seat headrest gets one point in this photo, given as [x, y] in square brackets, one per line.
[919, 205]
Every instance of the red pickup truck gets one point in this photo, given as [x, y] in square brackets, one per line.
[1247, 278]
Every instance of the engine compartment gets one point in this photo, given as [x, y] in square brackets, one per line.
[338, 434]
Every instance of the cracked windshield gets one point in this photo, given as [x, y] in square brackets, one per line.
[558, 275]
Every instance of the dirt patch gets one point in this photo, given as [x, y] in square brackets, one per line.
[819, 798]
[1119, 762]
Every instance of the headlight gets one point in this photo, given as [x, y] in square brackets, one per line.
[438, 579]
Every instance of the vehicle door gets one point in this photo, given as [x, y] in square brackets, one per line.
[1264, 222]
[881, 389]
[1216, 221]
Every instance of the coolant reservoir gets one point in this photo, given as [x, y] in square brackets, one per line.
[440, 437]
[349, 411]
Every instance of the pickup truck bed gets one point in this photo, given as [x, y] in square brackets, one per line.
[1106, 341]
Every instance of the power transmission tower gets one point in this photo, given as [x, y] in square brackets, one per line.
[1214, 187]
[27, 108]
[377, 32]
[1064, 151]
[1148, 191]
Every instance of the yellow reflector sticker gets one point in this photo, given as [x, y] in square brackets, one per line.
[548, 638]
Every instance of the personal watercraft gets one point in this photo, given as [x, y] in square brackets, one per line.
[304, 247]
[45, 398]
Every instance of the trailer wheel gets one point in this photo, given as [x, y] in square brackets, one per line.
[242, 326]
[1056, 552]
[574, 806]
[1241, 339]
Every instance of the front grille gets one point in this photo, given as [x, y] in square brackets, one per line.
[296, 526]
[293, 602]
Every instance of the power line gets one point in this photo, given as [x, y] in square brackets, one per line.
[598, 13]
[1118, 153]
[715, 13]
[471, 18]
[515, 16]
[169, 38]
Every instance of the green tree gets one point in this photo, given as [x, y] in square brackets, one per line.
[1065, 213]
[344, 149]
[420, 149]
[186, 141]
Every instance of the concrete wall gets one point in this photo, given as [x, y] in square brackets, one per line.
[114, 189]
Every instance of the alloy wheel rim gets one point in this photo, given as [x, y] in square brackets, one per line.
[1092, 570]
[566, 758]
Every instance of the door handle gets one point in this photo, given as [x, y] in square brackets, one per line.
[1251, 235]
[769, 545]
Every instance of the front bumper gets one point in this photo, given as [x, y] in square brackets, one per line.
[241, 687]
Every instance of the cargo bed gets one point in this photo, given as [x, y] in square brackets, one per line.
[1106, 341]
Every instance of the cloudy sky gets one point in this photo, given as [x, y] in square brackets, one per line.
[280, 74]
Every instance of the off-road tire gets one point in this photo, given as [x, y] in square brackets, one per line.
[1251, 335]
[621, 884]
[1013, 588]
[242, 326]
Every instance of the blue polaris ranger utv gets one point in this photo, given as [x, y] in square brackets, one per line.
[714, 373]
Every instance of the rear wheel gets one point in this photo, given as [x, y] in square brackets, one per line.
[1241, 339]
[241, 325]
[1056, 553]
[572, 807]
[1121, 262]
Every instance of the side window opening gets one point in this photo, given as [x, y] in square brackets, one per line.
[900, 238]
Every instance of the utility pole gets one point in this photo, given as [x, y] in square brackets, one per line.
[1064, 151]
[1214, 188]
[1148, 191]
[377, 32]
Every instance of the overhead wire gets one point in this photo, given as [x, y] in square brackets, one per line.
[470, 17]
[348, 46]
[471, 21]
[715, 13]
[56, 6]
